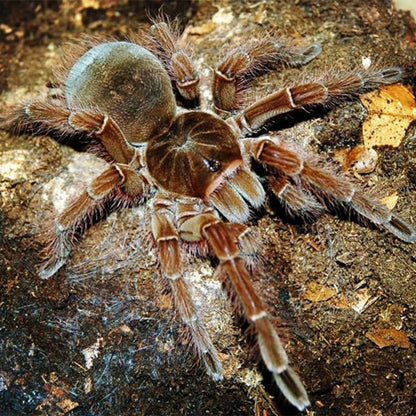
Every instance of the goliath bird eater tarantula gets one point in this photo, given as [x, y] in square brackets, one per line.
[136, 105]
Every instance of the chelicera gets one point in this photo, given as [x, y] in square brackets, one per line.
[203, 172]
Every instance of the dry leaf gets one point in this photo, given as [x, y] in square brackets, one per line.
[67, 405]
[317, 292]
[360, 159]
[390, 201]
[201, 29]
[359, 301]
[362, 299]
[339, 302]
[388, 337]
[390, 111]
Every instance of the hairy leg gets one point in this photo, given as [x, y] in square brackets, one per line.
[244, 63]
[47, 116]
[114, 183]
[305, 177]
[326, 91]
[224, 241]
[164, 41]
[168, 244]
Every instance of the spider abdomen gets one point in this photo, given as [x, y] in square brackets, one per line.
[125, 81]
[194, 155]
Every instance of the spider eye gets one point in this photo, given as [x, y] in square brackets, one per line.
[212, 164]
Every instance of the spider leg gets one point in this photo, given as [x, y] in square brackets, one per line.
[114, 183]
[251, 59]
[20, 119]
[326, 186]
[55, 116]
[297, 201]
[164, 42]
[326, 92]
[168, 244]
[121, 183]
[222, 238]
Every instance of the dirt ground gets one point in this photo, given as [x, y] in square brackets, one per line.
[100, 337]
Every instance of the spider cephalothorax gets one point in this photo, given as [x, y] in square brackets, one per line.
[194, 167]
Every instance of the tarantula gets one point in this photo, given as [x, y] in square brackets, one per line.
[202, 172]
